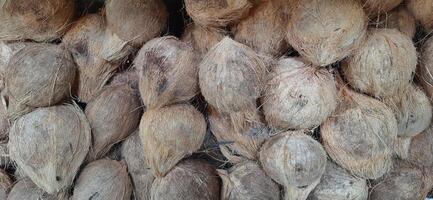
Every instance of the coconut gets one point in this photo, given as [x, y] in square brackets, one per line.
[423, 11]
[7, 50]
[421, 149]
[113, 116]
[399, 18]
[169, 134]
[264, 29]
[384, 65]
[217, 13]
[103, 179]
[129, 76]
[168, 70]
[339, 184]
[141, 175]
[36, 20]
[65, 132]
[425, 69]
[202, 38]
[375, 8]
[190, 179]
[247, 181]
[295, 161]
[4, 121]
[326, 31]
[5, 184]
[299, 96]
[26, 189]
[136, 21]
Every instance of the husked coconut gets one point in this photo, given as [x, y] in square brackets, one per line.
[423, 11]
[103, 179]
[5, 184]
[374, 8]
[190, 179]
[384, 65]
[298, 95]
[247, 180]
[425, 69]
[65, 134]
[294, 160]
[421, 149]
[326, 31]
[35, 20]
[169, 134]
[339, 184]
[26, 189]
[399, 18]
[168, 70]
[202, 38]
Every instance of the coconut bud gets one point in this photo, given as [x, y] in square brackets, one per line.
[375, 8]
[425, 69]
[202, 38]
[26, 189]
[423, 12]
[399, 18]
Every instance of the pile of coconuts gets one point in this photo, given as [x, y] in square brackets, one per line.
[216, 99]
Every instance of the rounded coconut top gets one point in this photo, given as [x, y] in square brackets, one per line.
[5, 184]
[65, 134]
[421, 149]
[326, 31]
[399, 18]
[202, 38]
[26, 189]
[423, 11]
[425, 69]
[374, 8]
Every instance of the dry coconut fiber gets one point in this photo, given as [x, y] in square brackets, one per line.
[399, 18]
[421, 149]
[425, 69]
[26, 189]
[423, 12]
[201, 38]
[374, 8]
[5, 184]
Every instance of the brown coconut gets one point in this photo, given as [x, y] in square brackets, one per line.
[141, 175]
[384, 65]
[374, 8]
[202, 39]
[425, 69]
[247, 181]
[423, 11]
[26, 189]
[339, 184]
[168, 70]
[113, 116]
[190, 179]
[421, 149]
[136, 21]
[65, 134]
[169, 134]
[264, 29]
[103, 179]
[217, 13]
[294, 160]
[399, 18]
[35, 20]
[298, 95]
[326, 31]
[5, 184]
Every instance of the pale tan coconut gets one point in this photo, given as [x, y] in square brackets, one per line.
[294, 160]
[113, 115]
[374, 8]
[423, 11]
[247, 180]
[168, 70]
[326, 31]
[399, 18]
[202, 38]
[36, 20]
[190, 179]
[5, 184]
[425, 69]
[103, 179]
[169, 134]
[421, 149]
[339, 184]
[141, 175]
[298, 95]
[384, 65]
[26, 189]
[65, 133]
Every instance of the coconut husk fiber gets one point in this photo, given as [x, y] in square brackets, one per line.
[5, 184]
[190, 179]
[374, 8]
[4, 121]
[399, 18]
[26, 189]
[202, 39]
[5, 160]
[298, 95]
[425, 69]
[294, 160]
[50, 144]
[168, 71]
[7, 50]
[384, 65]
[35, 20]
[129, 77]
[326, 31]
[103, 179]
[423, 12]
[421, 149]
[113, 115]
[247, 180]
[169, 134]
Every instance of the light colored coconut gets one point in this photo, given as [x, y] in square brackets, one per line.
[423, 11]
[295, 161]
[399, 18]
[103, 179]
[202, 38]
[190, 179]
[247, 181]
[421, 149]
[5, 184]
[425, 69]
[168, 70]
[65, 133]
[384, 65]
[326, 31]
[26, 189]
[298, 95]
[374, 8]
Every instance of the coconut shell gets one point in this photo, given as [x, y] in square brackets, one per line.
[247, 181]
[26, 189]
[299, 96]
[384, 65]
[374, 8]
[103, 179]
[190, 179]
[5, 184]
[326, 31]
[141, 175]
[169, 134]
[202, 39]
[113, 116]
[168, 70]
[421, 149]
[399, 18]
[35, 20]
[65, 133]
[136, 21]
[294, 160]
[423, 12]
[339, 184]
[425, 69]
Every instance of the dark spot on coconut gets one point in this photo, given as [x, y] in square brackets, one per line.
[80, 48]
[337, 29]
[71, 147]
[94, 196]
[162, 86]
[351, 183]
[303, 186]
[298, 167]
[58, 178]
